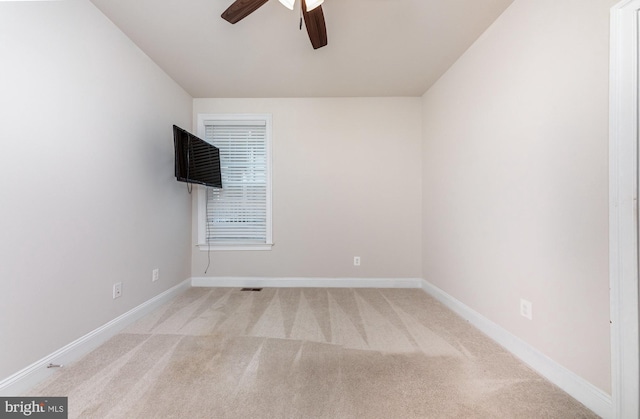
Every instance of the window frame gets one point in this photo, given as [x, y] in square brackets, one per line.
[202, 190]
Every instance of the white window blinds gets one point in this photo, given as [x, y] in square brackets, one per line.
[240, 213]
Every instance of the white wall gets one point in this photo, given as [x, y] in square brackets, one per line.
[346, 182]
[515, 177]
[87, 187]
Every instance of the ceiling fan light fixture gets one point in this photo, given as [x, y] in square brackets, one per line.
[288, 3]
[312, 4]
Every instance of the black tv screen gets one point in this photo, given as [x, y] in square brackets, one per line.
[196, 161]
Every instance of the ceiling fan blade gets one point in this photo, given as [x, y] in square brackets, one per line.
[241, 9]
[316, 28]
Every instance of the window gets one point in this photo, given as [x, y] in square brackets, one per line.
[238, 216]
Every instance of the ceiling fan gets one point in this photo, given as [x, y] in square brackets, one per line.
[311, 11]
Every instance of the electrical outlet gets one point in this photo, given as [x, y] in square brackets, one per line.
[117, 290]
[526, 309]
[356, 261]
[155, 275]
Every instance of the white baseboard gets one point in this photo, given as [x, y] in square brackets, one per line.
[255, 282]
[579, 388]
[27, 378]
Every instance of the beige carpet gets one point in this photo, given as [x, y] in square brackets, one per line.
[305, 353]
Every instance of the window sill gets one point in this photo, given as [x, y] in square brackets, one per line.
[239, 247]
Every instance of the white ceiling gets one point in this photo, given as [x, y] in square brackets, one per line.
[376, 47]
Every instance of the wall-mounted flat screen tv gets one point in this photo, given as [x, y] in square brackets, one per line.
[196, 161]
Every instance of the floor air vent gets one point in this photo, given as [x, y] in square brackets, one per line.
[251, 289]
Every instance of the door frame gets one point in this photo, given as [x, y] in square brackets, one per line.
[623, 209]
